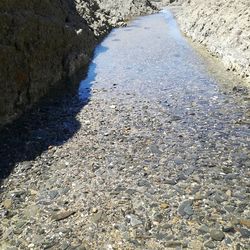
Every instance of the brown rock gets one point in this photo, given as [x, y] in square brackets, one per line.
[7, 203]
[62, 215]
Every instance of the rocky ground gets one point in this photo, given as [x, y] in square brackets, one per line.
[139, 165]
[127, 181]
[223, 27]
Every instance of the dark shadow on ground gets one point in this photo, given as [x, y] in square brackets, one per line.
[50, 123]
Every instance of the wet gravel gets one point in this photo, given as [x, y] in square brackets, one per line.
[160, 159]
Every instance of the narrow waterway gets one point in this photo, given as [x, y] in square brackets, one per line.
[160, 159]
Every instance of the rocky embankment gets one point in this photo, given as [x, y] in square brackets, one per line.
[223, 27]
[44, 44]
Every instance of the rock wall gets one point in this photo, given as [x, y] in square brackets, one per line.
[164, 3]
[122, 10]
[223, 27]
[43, 44]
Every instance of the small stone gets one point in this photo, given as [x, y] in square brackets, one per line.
[229, 193]
[228, 241]
[53, 194]
[170, 181]
[82, 247]
[228, 229]
[97, 217]
[227, 170]
[244, 233]
[164, 206]
[173, 244]
[134, 220]
[219, 198]
[33, 192]
[64, 245]
[20, 223]
[196, 178]
[185, 208]
[131, 191]
[31, 211]
[210, 244]
[7, 204]
[217, 235]
[204, 229]
[94, 210]
[142, 183]
[62, 215]
[198, 196]
[245, 223]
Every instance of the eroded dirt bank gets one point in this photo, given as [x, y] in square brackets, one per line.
[223, 27]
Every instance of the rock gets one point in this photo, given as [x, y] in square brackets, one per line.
[204, 229]
[142, 183]
[173, 244]
[170, 181]
[228, 228]
[97, 217]
[185, 208]
[245, 223]
[7, 204]
[62, 215]
[94, 210]
[134, 220]
[20, 223]
[245, 233]
[53, 194]
[164, 206]
[229, 193]
[210, 244]
[217, 235]
[31, 211]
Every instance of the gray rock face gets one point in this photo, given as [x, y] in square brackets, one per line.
[223, 27]
[121, 10]
[43, 44]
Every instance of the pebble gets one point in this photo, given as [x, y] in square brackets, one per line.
[134, 220]
[185, 208]
[62, 215]
[7, 204]
[204, 229]
[217, 235]
[210, 244]
[245, 233]
[164, 206]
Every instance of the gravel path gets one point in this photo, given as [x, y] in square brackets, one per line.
[158, 159]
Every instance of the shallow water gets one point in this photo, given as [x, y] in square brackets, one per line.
[151, 60]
